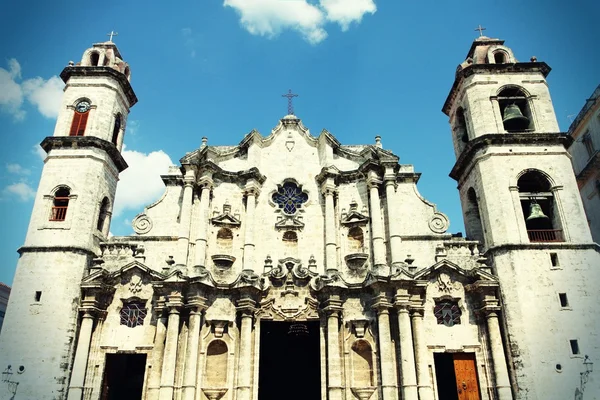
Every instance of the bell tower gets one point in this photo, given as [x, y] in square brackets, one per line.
[70, 217]
[520, 200]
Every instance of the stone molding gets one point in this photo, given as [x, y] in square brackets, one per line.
[102, 71]
[82, 142]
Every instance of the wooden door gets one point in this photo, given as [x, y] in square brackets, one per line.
[467, 386]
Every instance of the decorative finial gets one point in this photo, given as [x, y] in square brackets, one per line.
[378, 141]
[290, 96]
[533, 59]
[111, 34]
[480, 29]
[204, 141]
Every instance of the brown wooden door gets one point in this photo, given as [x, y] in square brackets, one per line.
[467, 386]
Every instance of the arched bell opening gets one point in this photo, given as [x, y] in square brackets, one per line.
[473, 224]
[94, 59]
[500, 57]
[515, 110]
[539, 210]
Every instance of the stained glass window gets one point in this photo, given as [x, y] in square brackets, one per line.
[289, 197]
[133, 314]
[447, 313]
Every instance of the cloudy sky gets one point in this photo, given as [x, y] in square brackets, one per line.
[217, 68]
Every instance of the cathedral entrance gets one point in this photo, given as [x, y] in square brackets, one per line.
[123, 377]
[290, 363]
[456, 376]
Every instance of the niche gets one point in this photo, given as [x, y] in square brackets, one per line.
[362, 364]
[216, 364]
[224, 241]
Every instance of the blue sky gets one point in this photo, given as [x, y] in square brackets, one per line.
[218, 68]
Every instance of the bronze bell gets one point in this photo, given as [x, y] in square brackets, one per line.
[535, 212]
[513, 119]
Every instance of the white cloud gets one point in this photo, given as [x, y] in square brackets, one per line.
[44, 94]
[37, 149]
[17, 169]
[270, 17]
[140, 184]
[22, 190]
[344, 12]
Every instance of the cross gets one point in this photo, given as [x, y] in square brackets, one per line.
[480, 29]
[111, 34]
[290, 96]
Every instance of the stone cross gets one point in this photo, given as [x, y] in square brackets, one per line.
[290, 96]
[111, 34]
[480, 29]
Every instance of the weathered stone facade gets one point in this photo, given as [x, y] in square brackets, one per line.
[293, 266]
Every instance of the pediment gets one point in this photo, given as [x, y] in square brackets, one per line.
[226, 220]
[355, 218]
[289, 222]
[475, 274]
[103, 276]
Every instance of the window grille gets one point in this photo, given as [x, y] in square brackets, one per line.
[133, 314]
[289, 197]
[447, 313]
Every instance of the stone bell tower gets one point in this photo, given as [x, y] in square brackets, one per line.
[70, 217]
[520, 200]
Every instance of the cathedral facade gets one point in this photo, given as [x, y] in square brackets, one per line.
[294, 266]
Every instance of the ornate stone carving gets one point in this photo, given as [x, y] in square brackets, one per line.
[445, 284]
[353, 217]
[226, 218]
[439, 223]
[142, 224]
[135, 284]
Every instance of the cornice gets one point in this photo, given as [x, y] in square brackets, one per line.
[101, 71]
[492, 69]
[78, 142]
[505, 139]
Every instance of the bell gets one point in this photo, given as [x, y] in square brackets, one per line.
[513, 119]
[535, 212]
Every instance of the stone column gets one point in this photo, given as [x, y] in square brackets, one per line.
[185, 217]
[191, 353]
[392, 214]
[424, 383]
[157, 355]
[202, 237]
[170, 355]
[330, 233]
[251, 192]
[407, 355]
[498, 357]
[81, 357]
[246, 308]
[379, 258]
[389, 375]
[333, 309]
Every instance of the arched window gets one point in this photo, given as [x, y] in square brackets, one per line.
[224, 241]
[537, 201]
[94, 58]
[216, 364]
[60, 203]
[362, 364]
[80, 117]
[104, 213]
[356, 240]
[473, 224]
[499, 57]
[514, 107]
[116, 129]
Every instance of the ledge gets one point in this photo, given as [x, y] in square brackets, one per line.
[542, 246]
[61, 249]
[590, 169]
[74, 142]
[102, 71]
[506, 139]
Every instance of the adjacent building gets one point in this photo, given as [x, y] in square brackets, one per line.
[585, 151]
[4, 293]
[290, 265]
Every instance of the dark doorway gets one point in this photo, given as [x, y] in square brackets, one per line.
[445, 376]
[289, 353]
[123, 377]
[456, 376]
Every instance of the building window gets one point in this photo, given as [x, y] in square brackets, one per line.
[80, 117]
[60, 204]
[103, 215]
[473, 224]
[94, 58]
[514, 107]
[289, 197]
[574, 347]
[499, 57]
[537, 203]
[564, 301]
[133, 314]
[447, 313]
[116, 129]
[554, 260]
[588, 144]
